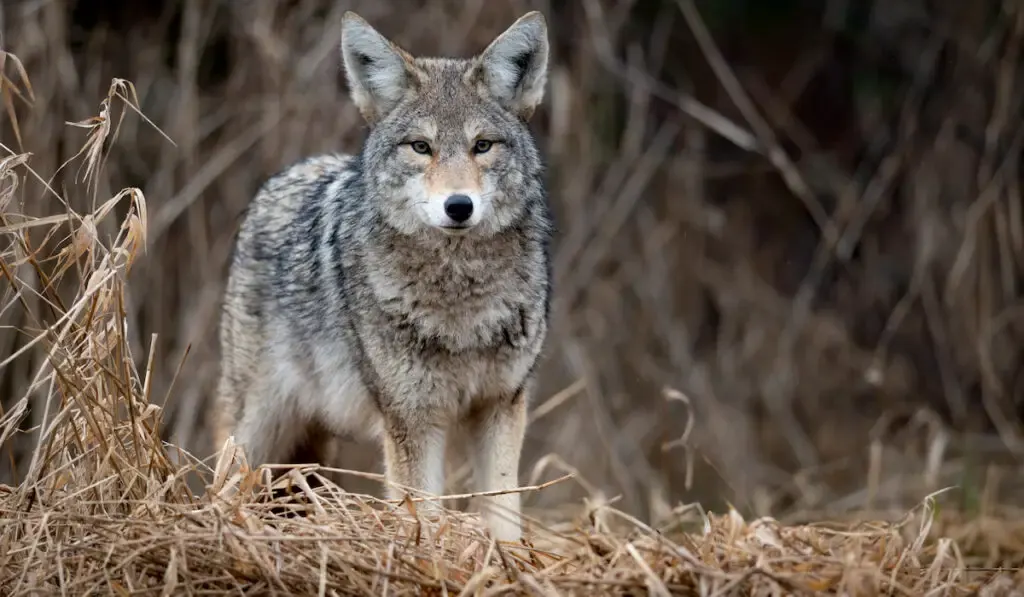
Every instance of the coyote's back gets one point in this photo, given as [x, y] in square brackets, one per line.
[402, 293]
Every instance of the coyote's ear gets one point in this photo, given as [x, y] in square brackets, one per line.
[378, 72]
[514, 67]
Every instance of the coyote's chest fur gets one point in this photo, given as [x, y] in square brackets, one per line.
[454, 302]
[464, 317]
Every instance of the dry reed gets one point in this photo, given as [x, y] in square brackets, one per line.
[101, 503]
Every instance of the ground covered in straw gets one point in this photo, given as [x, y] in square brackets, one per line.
[126, 529]
[104, 506]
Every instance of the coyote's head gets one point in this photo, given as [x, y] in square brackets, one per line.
[449, 151]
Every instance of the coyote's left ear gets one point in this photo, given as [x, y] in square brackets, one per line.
[514, 67]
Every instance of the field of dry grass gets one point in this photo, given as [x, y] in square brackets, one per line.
[776, 305]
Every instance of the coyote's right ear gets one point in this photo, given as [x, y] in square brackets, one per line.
[377, 71]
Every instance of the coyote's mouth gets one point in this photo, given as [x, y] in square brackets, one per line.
[457, 230]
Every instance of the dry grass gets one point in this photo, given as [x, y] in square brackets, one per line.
[109, 296]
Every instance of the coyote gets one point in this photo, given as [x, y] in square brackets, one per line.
[401, 294]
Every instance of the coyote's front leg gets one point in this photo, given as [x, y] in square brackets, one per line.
[497, 433]
[414, 458]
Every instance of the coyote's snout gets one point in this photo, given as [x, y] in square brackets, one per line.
[452, 188]
[401, 294]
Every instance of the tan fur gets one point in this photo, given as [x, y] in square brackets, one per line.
[457, 174]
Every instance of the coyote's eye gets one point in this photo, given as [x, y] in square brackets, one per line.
[482, 146]
[421, 147]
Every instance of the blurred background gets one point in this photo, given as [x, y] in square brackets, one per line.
[790, 237]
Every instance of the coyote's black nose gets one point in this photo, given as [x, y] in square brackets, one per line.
[458, 207]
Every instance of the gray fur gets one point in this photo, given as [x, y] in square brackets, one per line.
[350, 308]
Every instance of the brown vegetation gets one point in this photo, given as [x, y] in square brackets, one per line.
[779, 286]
